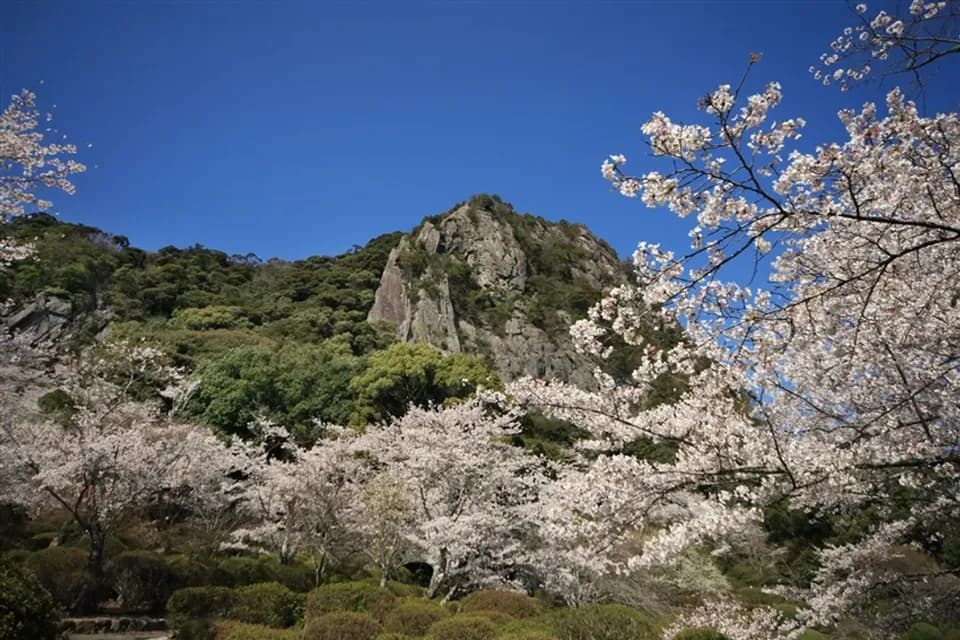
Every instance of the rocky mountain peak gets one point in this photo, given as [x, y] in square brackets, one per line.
[484, 279]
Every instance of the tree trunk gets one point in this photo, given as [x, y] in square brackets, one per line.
[439, 573]
[97, 542]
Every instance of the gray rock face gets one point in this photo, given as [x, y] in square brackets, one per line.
[43, 323]
[495, 249]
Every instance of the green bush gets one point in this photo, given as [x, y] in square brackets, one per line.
[211, 317]
[343, 625]
[189, 571]
[63, 572]
[532, 628]
[234, 630]
[700, 634]
[200, 602]
[414, 617]
[269, 603]
[463, 628]
[142, 580]
[499, 618]
[923, 631]
[527, 635]
[26, 609]
[518, 605]
[812, 634]
[190, 611]
[240, 571]
[360, 597]
[603, 622]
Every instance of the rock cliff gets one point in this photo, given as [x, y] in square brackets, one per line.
[484, 279]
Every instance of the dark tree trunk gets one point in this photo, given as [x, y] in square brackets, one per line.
[97, 542]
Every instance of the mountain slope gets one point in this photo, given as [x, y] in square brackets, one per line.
[484, 279]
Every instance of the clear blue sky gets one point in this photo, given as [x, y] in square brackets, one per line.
[293, 128]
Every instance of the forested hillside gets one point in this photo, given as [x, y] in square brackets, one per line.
[301, 342]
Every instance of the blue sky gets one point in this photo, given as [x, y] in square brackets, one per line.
[292, 128]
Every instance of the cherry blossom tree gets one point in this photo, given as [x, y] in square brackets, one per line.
[105, 457]
[907, 41]
[382, 517]
[466, 487]
[832, 389]
[301, 502]
[28, 166]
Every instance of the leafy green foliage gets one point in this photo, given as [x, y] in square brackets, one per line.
[528, 629]
[466, 627]
[238, 571]
[923, 631]
[414, 617]
[234, 630]
[342, 625]
[518, 605]
[63, 572]
[603, 622]
[201, 289]
[268, 603]
[57, 405]
[294, 385]
[419, 374]
[26, 609]
[359, 596]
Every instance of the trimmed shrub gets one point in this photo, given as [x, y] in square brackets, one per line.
[63, 572]
[923, 631]
[403, 590]
[527, 629]
[701, 633]
[190, 611]
[142, 580]
[603, 622]
[189, 571]
[518, 605]
[463, 628]
[234, 630]
[27, 609]
[358, 597]
[342, 625]
[414, 617]
[498, 618]
[240, 571]
[296, 577]
[268, 603]
[200, 602]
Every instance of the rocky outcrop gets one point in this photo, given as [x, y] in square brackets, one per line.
[43, 323]
[483, 279]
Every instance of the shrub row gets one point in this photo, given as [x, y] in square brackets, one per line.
[363, 611]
